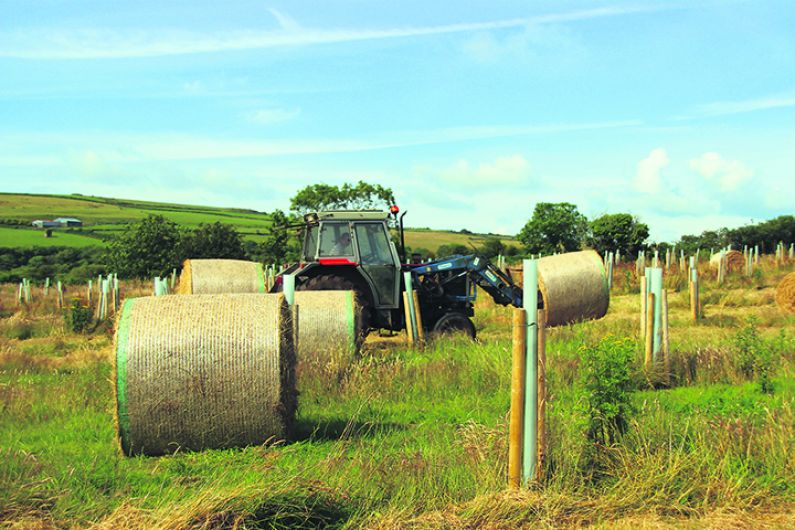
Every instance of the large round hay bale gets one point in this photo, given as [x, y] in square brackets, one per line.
[204, 371]
[573, 287]
[735, 261]
[216, 276]
[785, 293]
[327, 328]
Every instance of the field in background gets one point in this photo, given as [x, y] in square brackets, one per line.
[406, 438]
[103, 217]
[26, 238]
[433, 239]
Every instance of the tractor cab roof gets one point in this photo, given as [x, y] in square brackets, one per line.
[346, 215]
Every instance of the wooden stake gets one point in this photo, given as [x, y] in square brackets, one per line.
[516, 430]
[649, 330]
[542, 395]
[420, 331]
[407, 310]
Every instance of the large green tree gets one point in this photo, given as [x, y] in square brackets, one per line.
[362, 195]
[618, 231]
[216, 240]
[145, 249]
[554, 227]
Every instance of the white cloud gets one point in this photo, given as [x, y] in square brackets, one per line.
[537, 42]
[727, 174]
[55, 43]
[648, 178]
[285, 22]
[721, 108]
[512, 170]
[268, 116]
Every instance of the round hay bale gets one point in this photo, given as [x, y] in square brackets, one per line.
[327, 329]
[735, 261]
[216, 276]
[204, 371]
[785, 293]
[573, 287]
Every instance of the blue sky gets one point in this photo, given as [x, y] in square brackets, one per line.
[680, 112]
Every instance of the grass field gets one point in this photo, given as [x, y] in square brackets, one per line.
[27, 237]
[432, 240]
[406, 438]
[114, 214]
[104, 216]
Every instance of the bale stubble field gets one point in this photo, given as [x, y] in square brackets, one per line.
[399, 438]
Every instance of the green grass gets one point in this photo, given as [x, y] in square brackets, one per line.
[399, 438]
[28, 237]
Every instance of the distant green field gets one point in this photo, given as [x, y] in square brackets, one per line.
[27, 237]
[108, 216]
[101, 211]
[432, 240]
[105, 216]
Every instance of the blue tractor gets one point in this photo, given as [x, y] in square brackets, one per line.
[354, 250]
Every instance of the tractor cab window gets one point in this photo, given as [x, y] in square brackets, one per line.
[335, 240]
[310, 243]
[373, 244]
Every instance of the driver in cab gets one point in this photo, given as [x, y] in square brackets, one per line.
[343, 245]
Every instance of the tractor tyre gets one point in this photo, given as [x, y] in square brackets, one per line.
[327, 282]
[455, 323]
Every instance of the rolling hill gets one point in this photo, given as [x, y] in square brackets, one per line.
[103, 217]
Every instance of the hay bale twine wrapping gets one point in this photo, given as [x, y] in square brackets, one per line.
[327, 325]
[204, 371]
[573, 287]
[216, 276]
[735, 261]
[785, 293]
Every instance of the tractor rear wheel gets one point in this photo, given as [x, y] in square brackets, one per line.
[328, 282]
[455, 323]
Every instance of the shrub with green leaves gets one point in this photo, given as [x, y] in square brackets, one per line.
[607, 387]
[755, 358]
[79, 317]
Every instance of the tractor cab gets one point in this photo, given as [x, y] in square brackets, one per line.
[353, 250]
